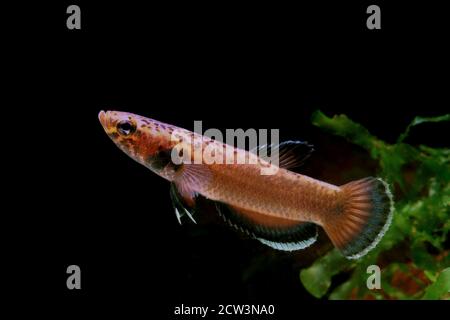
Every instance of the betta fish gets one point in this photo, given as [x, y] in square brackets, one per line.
[281, 210]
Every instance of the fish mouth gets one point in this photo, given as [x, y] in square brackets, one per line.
[103, 117]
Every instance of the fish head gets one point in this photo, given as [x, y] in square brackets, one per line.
[147, 141]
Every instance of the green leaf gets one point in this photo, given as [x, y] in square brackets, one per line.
[419, 120]
[430, 275]
[422, 258]
[343, 291]
[441, 288]
[342, 126]
[421, 224]
[317, 278]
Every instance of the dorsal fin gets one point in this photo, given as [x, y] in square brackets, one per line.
[291, 154]
[278, 233]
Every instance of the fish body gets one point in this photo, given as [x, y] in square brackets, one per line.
[285, 194]
[282, 209]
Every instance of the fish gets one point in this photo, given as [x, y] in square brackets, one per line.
[283, 210]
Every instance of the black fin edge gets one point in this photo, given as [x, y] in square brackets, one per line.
[292, 154]
[304, 231]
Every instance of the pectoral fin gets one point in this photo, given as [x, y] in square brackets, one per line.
[188, 179]
[191, 177]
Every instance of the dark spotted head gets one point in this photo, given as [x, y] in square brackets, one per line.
[145, 140]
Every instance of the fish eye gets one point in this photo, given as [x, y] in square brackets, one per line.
[126, 127]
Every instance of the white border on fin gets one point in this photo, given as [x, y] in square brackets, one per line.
[385, 227]
[177, 213]
[189, 215]
[290, 246]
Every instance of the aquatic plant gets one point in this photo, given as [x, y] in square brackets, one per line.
[414, 255]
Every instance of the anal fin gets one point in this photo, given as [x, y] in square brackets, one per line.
[278, 233]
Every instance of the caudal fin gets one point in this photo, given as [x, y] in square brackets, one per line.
[364, 218]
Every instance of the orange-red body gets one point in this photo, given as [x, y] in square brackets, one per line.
[281, 199]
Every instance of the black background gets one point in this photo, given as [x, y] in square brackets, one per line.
[262, 65]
